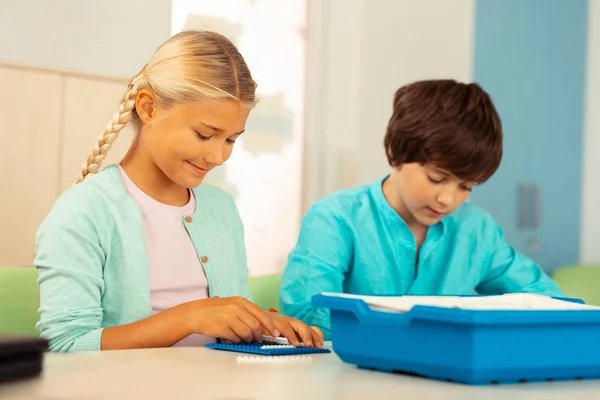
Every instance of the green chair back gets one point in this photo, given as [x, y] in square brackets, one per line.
[265, 290]
[19, 300]
[579, 281]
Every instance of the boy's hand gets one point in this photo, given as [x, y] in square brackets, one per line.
[296, 331]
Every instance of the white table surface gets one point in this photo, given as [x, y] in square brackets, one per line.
[199, 373]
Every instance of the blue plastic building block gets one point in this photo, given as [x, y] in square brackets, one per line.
[266, 350]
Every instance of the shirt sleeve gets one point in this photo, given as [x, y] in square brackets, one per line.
[512, 272]
[70, 259]
[317, 264]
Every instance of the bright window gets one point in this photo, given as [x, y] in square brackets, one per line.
[265, 172]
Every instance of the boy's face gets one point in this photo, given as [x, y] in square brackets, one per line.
[424, 194]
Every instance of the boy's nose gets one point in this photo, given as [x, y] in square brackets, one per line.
[446, 197]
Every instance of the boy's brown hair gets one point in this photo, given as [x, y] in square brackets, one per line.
[451, 125]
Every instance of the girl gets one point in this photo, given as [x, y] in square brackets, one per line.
[141, 255]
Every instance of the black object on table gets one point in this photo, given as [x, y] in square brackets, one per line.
[21, 356]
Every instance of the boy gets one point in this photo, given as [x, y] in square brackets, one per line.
[411, 232]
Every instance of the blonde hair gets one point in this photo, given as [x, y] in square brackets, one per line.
[189, 67]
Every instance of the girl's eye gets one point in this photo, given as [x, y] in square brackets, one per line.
[435, 180]
[230, 141]
[201, 136]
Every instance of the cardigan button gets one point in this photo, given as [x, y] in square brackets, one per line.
[188, 218]
[204, 259]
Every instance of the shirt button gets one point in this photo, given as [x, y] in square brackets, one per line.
[204, 259]
[188, 218]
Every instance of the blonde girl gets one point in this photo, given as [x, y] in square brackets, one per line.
[142, 254]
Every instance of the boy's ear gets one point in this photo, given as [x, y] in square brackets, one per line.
[394, 164]
[389, 157]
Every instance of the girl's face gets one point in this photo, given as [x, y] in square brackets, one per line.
[186, 141]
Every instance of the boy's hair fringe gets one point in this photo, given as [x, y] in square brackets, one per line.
[451, 125]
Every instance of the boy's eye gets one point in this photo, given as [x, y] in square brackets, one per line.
[230, 141]
[433, 180]
[467, 188]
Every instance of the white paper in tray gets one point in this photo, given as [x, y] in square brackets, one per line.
[513, 301]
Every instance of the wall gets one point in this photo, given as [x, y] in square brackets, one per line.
[531, 57]
[361, 52]
[590, 196]
[87, 50]
[112, 37]
[42, 153]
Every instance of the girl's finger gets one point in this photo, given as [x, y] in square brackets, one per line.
[287, 331]
[319, 334]
[228, 334]
[317, 338]
[263, 317]
[252, 323]
[240, 328]
[305, 333]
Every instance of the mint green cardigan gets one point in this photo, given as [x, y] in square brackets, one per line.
[92, 260]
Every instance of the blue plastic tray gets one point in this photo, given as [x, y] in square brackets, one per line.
[273, 350]
[469, 346]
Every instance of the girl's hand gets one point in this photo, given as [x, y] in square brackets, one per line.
[233, 318]
[296, 331]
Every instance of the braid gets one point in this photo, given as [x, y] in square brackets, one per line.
[119, 120]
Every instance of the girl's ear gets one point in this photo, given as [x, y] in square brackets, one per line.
[145, 105]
